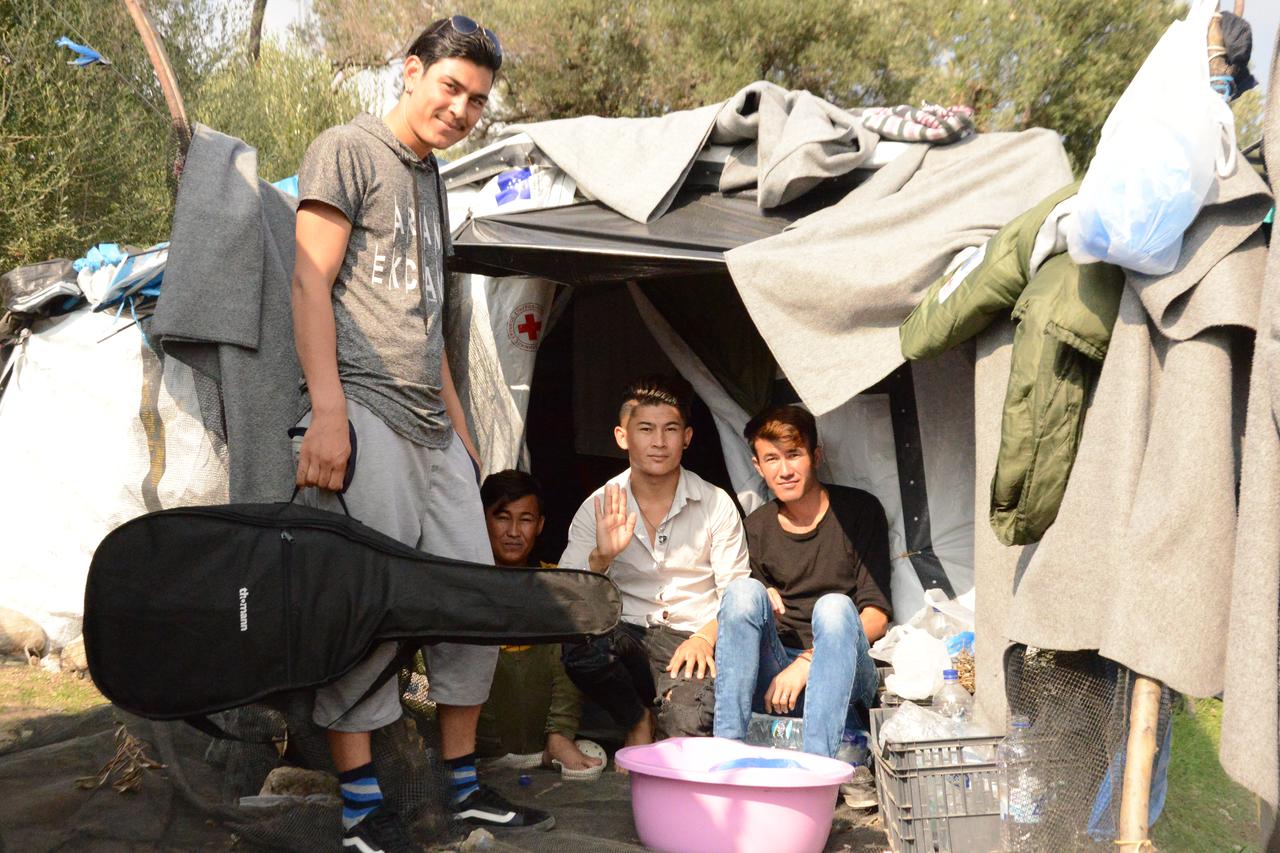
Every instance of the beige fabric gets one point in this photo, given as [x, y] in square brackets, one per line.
[1249, 750]
[678, 580]
[829, 293]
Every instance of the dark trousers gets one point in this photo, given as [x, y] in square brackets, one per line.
[625, 672]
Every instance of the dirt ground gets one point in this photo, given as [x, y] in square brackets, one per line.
[56, 729]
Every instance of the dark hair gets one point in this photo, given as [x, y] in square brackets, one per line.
[656, 390]
[441, 40]
[790, 424]
[508, 486]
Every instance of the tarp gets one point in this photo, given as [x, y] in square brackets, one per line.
[96, 431]
[588, 243]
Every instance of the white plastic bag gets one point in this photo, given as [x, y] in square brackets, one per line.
[1156, 160]
[918, 662]
[913, 724]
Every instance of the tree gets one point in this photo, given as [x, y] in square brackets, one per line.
[1051, 63]
[255, 29]
[85, 152]
[278, 104]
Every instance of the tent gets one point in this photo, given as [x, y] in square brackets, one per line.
[97, 430]
[535, 254]
[667, 249]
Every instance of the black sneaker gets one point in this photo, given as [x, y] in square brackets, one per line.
[380, 831]
[487, 808]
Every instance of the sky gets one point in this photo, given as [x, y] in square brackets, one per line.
[1262, 15]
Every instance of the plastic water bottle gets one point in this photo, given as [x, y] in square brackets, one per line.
[938, 625]
[1023, 793]
[855, 747]
[954, 702]
[779, 732]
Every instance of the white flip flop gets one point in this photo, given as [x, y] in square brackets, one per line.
[515, 761]
[590, 749]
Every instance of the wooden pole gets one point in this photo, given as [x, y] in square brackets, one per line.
[1144, 717]
[164, 72]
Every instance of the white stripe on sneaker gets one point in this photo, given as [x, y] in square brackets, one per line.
[359, 845]
[481, 814]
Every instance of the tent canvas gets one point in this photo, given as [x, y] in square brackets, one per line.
[826, 295]
[657, 295]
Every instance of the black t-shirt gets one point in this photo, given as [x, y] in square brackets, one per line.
[847, 552]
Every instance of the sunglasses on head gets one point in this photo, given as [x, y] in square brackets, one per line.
[466, 26]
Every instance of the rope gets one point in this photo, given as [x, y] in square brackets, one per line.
[164, 116]
[1143, 844]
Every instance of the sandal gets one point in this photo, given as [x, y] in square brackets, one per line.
[590, 749]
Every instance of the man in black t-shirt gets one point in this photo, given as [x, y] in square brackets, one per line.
[795, 636]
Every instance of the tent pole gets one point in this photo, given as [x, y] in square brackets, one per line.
[164, 73]
[1144, 716]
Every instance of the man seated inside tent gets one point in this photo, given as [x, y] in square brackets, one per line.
[533, 711]
[795, 636]
[673, 543]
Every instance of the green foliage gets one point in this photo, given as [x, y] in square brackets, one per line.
[1248, 109]
[1205, 809]
[278, 105]
[79, 150]
[1050, 63]
[85, 153]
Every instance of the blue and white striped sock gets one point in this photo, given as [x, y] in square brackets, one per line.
[360, 794]
[463, 772]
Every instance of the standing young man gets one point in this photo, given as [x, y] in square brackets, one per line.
[795, 636]
[673, 543]
[368, 287]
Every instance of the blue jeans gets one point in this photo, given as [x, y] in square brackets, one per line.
[749, 655]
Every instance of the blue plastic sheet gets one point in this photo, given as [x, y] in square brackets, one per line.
[1102, 825]
[962, 642]
[103, 254]
[288, 185]
[84, 55]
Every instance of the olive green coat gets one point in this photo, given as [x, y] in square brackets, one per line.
[531, 697]
[1064, 314]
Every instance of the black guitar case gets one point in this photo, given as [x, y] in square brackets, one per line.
[194, 610]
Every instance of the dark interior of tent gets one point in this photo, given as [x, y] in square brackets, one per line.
[596, 341]
[578, 384]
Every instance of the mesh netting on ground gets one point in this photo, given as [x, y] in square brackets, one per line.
[1079, 705]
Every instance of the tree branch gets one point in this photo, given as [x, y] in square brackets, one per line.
[255, 29]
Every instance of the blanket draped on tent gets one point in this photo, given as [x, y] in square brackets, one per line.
[828, 294]
[785, 143]
[225, 308]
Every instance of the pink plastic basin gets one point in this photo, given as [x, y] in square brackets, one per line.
[682, 804]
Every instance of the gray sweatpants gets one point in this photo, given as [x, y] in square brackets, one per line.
[427, 499]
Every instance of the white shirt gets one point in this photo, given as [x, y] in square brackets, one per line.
[678, 579]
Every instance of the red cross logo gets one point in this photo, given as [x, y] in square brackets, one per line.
[524, 327]
[529, 327]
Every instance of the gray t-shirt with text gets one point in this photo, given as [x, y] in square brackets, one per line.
[388, 296]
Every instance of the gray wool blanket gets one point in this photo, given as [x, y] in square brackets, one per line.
[1142, 559]
[784, 144]
[829, 294]
[225, 308]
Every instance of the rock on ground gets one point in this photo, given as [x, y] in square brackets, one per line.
[20, 636]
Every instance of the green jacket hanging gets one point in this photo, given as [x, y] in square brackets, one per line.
[1064, 314]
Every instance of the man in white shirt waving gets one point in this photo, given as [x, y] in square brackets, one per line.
[673, 543]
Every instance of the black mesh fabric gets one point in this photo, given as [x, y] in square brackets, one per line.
[1079, 706]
